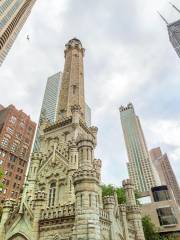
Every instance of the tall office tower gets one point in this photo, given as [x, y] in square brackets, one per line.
[88, 115]
[49, 106]
[174, 31]
[13, 14]
[166, 173]
[139, 166]
[16, 137]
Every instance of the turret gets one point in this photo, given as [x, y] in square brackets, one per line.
[38, 205]
[36, 159]
[86, 187]
[133, 210]
[7, 209]
[129, 191]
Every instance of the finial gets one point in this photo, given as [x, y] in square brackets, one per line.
[162, 17]
[177, 9]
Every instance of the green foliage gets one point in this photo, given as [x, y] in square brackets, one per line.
[1, 177]
[150, 230]
[108, 190]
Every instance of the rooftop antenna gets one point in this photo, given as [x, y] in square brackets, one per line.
[177, 9]
[163, 18]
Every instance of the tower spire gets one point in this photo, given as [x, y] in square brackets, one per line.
[163, 18]
[177, 9]
[72, 87]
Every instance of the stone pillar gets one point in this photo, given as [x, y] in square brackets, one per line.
[33, 172]
[7, 209]
[38, 205]
[109, 205]
[124, 221]
[129, 191]
[133, 210]
[73, 166]
[86, 186]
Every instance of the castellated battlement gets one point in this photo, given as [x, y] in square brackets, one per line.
[36, 155]
[123, 207]
[109, 200]
[58, 212]
[75, 108]
[94, 130]
[128, 184]
[9, 203]
[129, 106]
[134, 209]
[40, 195]
[82, 174]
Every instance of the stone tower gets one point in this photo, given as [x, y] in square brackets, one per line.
[72, 88]
[62, 197]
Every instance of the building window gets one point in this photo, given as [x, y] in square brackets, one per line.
[166, 216]
[12, 158]
[52, 194]
[160, 193]
[13, 119]
[22, 125]
[10, 130]
[5, 141]
[14, 147]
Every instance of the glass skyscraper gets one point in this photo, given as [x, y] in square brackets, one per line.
[139, 166]
[49, 106]
[13, 14]
[174, 31]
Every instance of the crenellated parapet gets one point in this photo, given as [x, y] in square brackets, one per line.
[58, 212]
[74, 44]
[129, 188]
[129, 106]
[136, 209]
[9, 203]
[128, 184]
[84, 175]
[39, 198]
[108, 201]
[123, 208]
[36, 155]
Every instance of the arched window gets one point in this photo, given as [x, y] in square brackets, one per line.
[52, 194]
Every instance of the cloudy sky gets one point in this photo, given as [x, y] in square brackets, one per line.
[128, 59]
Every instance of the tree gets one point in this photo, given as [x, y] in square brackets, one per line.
[149, 228]
[108, 190]
[1, 177]
[151, 232]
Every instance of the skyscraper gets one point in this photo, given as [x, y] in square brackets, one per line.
[16, 137]
[174, 31]
[49, 105]
[13, 14]
[166, 173]
[139, 165]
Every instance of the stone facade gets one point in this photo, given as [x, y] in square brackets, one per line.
[62, 196]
